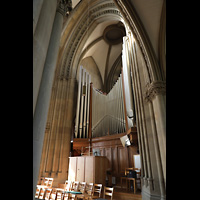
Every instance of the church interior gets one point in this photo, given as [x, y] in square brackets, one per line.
[99, 99]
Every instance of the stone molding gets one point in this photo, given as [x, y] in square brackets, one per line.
[153, 89]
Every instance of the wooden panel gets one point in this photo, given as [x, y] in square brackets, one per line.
[72, 168]
[89, 169]
[102, 151]
[132, 151]
[122, 158]
[100, 170]
[80, 169]
[109, 156]
[114, 161]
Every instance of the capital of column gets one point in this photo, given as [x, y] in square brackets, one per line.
[153, 89]
[65, 6]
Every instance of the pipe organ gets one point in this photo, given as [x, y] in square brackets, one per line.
[111, 113]
[108, 115]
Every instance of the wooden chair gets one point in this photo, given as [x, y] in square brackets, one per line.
[48, 182]
[108, 192]
[41, 181]
[47, 193]
[68, 185]
[37, 193]
[74, 186]
[89, 190]
[81, 187]
[70, 196]
[97, 189]
[127, 170]
[42, 192]
[59, 194]
[53, 195]
[138, 179]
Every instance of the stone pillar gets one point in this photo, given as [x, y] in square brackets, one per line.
[156, 93]
[41, 40]
[41, 110]
[37, 5]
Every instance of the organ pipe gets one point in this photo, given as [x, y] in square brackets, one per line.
[83, 100]
[112, 113]
[108, 111]
[126, 56]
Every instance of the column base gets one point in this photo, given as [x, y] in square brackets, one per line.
[146, 195]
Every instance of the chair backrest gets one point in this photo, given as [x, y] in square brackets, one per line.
[81, 187]
[98, 189]
[59, 194]
[71, 197]
[138, 172]
[68, 185]
[37, 192]
[53, 195]
[127, 170]
[108, 192]
[42, 192]
[41, 181]
[48, 182]
[89, 188]
[74, 186]
[47, 194]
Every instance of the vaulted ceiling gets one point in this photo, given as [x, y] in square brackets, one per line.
[149, 12]
[103, 46]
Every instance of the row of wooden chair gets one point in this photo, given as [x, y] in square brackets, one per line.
[74, 190]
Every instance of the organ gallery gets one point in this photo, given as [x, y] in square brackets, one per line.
[99, 99]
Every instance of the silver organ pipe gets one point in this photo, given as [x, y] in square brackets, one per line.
[82, 109]
[112, 113]
[108, 115]
[127, 82]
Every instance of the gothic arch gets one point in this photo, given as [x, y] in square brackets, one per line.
[148, 83]
[105, 10]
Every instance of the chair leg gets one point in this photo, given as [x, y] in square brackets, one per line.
[134, 186]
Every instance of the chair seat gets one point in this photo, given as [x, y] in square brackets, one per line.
[73, 192]
[95, 197]
[99, 199]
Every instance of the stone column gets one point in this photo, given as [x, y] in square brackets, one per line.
[41, 110]
[156, 94]
[37, 5]
[41, 41]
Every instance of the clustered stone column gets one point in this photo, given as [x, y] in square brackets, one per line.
[155, 97]
[41, 40]
[44, 94]
[150, 119]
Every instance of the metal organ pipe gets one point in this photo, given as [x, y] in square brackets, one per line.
[111, 113]
[127, 81]
[107, 111]
[83, 100]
